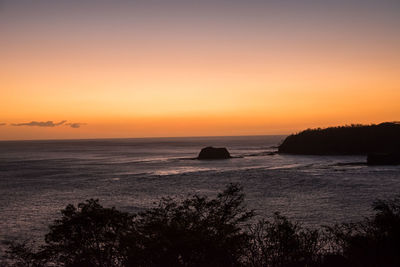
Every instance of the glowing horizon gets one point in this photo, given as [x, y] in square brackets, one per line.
[209, 68]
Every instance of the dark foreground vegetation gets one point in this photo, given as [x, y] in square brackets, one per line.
[200, 231]
[345, 140]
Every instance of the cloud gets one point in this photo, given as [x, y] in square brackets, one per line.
[40, 123]
[2, 123]
[75, 124]
[49, 124]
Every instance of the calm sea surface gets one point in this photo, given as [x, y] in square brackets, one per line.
[38, 178]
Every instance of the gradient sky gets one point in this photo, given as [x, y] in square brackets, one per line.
[89, 69]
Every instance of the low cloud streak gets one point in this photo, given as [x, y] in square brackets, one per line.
[40, 123]
[74, 125]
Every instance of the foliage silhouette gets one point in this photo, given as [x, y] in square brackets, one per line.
[201, 231]
[283, 243]
[372, 242]
[195, 232]
[89, 235]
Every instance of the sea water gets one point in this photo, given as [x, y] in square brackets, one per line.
[39, 178]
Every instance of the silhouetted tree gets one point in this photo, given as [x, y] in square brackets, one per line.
[89, 235]
[196, 232]
[281, 243]
[372, 242]
[201, 231]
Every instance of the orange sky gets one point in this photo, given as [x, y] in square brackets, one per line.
[149, 70]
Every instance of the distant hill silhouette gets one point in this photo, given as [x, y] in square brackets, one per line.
[345, 140]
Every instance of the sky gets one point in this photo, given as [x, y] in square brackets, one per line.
[109, 69]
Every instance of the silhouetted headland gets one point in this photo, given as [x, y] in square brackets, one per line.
[345, 140]
[214, 153]
[383, 159]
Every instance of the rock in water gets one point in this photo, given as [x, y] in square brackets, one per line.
[383, 159]
[214, 153]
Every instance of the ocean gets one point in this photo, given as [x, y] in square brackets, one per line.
[39, 178]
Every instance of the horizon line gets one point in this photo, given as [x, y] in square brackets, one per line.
[150, 137]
